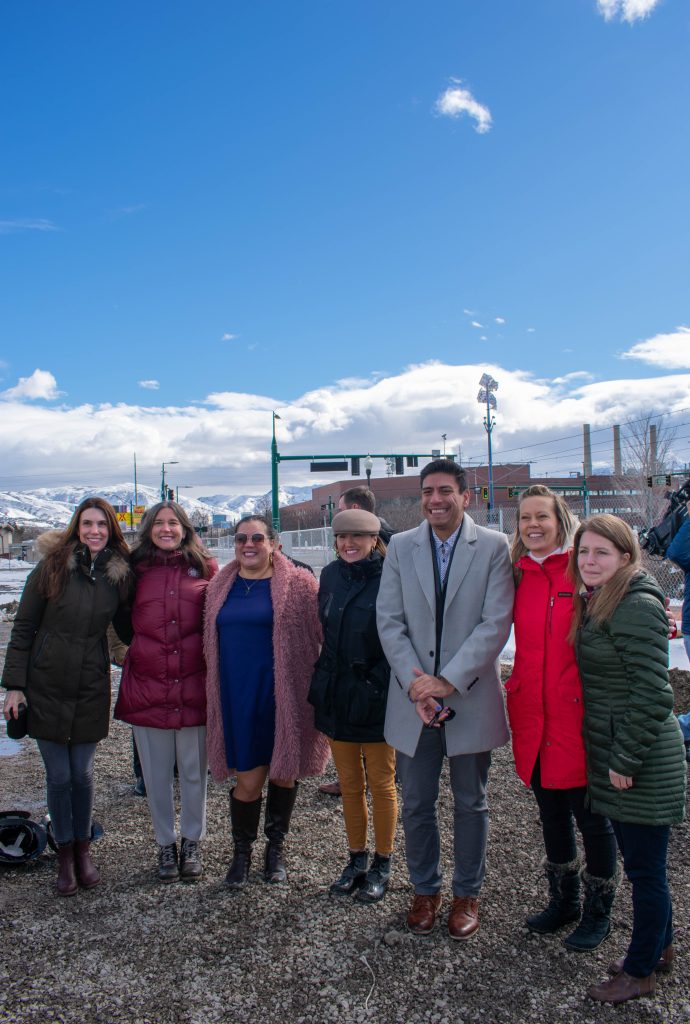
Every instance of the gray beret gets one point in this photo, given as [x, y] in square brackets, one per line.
[356, 520]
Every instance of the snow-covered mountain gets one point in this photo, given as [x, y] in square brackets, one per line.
[53, 506]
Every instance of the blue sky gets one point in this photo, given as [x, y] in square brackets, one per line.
[211, 211]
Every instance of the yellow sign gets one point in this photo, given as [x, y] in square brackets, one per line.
[139, 511]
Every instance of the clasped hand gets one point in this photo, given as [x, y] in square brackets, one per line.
[426, 691]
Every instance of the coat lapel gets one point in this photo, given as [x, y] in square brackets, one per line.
[462, 559]
[421, 558]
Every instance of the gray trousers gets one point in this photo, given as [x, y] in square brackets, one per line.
[158, 751]
[420, 784]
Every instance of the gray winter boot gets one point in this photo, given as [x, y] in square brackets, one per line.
[564, 905]
[595, 924]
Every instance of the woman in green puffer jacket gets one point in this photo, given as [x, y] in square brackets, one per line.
[635, 756]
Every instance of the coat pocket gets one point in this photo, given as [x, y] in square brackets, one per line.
[367, 704]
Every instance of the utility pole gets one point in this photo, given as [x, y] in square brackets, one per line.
[275, 458]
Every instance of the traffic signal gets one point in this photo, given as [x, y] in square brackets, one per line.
[355, 466]
[650, 481]
[485, 493]
[412, 461]
[513, 492]
[399, 465]
[668, 479]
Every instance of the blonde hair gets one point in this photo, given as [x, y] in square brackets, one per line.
[567, 522]
[603, 603]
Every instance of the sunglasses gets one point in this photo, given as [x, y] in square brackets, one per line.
[255, 538]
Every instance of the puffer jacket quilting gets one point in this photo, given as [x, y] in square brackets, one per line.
[629, 725]
[164, 676]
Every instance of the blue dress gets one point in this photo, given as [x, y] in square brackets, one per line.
[245, 638]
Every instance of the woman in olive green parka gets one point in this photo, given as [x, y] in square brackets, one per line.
[635, 754]
[58, 666]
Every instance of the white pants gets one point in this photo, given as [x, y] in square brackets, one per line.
[158, 751]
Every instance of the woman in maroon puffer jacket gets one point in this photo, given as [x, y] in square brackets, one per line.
[163, 689]
[545, 708]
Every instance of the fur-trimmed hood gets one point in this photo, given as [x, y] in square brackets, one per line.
[114, 567]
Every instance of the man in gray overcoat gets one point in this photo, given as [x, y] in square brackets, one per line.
[444, 611]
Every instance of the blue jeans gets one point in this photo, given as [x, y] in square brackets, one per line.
[69, 786]
[420, 776]
[644, 849]
[557, 808]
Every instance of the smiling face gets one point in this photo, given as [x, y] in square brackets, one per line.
[166, 532]
[93, 530]
[352, 547]
[538, 525]
[254, 555]
[598, 559]
[443, 503]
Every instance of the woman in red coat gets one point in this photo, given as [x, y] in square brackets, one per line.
[163, 689]
[546, 711]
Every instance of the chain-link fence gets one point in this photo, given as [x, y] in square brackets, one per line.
[315, 547]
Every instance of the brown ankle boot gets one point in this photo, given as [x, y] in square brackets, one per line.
[66, 880]
[87, 872]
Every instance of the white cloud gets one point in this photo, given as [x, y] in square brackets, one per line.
[531, 330]
[483, 337]
[149, 385]
[41, 384]
[228, 337]
[9, 227]
[475, 323]
[499, 319]
[626, 10]
[468, 312]
[456, 101]
[672, 351]
[224, 441]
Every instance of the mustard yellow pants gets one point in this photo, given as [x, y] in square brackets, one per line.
[380, 776]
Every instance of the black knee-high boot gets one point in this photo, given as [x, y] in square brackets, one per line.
[279, 805]
[244, 818]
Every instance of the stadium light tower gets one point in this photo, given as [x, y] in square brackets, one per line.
[486, 396]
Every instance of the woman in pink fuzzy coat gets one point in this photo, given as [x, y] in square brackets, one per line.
[261, 640]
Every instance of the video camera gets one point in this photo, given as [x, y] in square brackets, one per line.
[657, 539]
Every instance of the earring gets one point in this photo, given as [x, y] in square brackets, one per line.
[270, 558]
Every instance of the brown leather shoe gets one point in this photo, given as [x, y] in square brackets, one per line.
[463, 920]
[622, 987]
[421, 917]
[330, 788]
[664, 964]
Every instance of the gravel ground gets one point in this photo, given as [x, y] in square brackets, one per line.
[133, 951]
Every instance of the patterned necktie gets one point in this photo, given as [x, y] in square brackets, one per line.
[443, 567]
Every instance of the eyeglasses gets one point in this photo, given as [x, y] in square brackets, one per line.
[255, 538]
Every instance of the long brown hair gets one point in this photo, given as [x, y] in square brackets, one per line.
[191, 547]
[603, 603]
[567, 522]
[56, 566]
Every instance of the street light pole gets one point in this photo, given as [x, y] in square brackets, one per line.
[275, 505]
[368, 466]
[164, 493]
[487, 386]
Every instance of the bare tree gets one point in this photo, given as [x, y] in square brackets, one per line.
[648, 445]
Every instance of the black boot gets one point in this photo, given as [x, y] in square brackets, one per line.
[244, 818]
[279, 805]
[353, 875]
[595, 924]
[564, 905]
[376, 881]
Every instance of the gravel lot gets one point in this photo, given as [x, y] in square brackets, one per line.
[133, 951]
